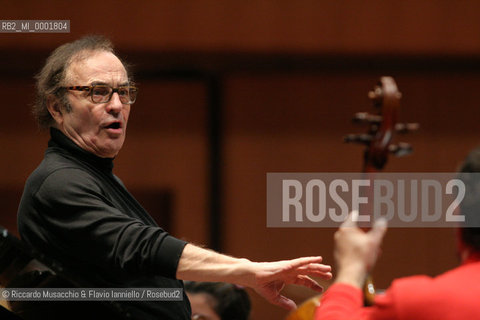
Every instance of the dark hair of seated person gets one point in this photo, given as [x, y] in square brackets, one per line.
[229, 301]
[470, 206]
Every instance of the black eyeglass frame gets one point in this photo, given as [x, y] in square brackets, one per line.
[89, 89]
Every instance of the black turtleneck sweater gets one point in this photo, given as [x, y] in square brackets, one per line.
[76, 211]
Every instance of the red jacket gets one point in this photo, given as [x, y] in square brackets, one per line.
[452, 295]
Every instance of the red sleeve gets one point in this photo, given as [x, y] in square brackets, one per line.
[342, 301]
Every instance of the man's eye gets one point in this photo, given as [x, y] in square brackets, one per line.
[100, 91]
[123, 91]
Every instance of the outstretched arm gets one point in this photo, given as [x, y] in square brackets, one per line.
[266, 278]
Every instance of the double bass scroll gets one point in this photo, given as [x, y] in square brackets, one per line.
[382, 127]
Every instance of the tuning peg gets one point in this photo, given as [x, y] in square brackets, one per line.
[406, 127]
[361, 117]
[358, 138]
[401, 149]
[376, 95]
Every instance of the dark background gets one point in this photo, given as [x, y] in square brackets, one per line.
[231, 90]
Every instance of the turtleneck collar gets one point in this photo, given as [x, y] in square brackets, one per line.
[58, 139]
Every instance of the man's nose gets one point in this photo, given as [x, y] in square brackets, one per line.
[114, 105]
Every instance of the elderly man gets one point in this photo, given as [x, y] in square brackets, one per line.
[75, 210]
[450, 296]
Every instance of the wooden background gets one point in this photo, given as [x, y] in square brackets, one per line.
[289, 76]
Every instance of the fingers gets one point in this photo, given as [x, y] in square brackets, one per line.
[309, 283]
[296, 271]
[351, 221]
[299, 262]
[304, 266]
[288, 304]
[283, 302]
[317, 267]
[326, 275]
[309, 265]
[378, 230]
[319, 270]
[271, 293]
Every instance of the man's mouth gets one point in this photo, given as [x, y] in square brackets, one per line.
[114, 125]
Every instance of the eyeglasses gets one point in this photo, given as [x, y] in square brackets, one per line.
[100, 93]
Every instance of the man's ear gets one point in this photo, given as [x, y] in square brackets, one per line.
[55, 108]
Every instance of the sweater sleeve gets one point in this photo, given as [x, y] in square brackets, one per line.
[342, 302]
[72, 218]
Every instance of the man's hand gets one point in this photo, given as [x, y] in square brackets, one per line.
[271, 278]
[266, 278]
[356, 251]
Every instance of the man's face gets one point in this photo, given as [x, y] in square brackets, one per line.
[99, 128]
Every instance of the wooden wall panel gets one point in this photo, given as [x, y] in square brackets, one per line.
[374, 26]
